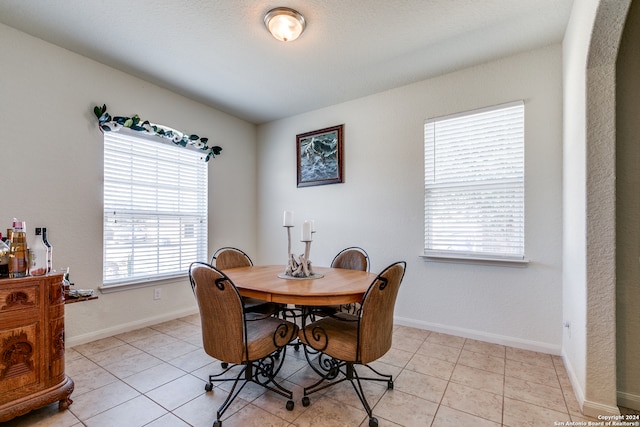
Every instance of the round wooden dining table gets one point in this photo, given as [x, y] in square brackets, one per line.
[335, 286]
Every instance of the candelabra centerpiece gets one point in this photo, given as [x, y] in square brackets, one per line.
[299, 266]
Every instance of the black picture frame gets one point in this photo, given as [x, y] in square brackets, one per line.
[319, 156]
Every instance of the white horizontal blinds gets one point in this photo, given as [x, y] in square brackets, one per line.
[155, 209]
[474, 183]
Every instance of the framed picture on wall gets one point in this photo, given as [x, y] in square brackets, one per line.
[319, 155]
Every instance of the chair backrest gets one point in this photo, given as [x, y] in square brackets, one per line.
[376, 320]
[221, 313]
[352, 258]
[228, 257]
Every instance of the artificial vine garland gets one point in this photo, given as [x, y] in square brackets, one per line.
[107, 123]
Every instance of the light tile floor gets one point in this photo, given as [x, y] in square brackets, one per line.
[156, 376]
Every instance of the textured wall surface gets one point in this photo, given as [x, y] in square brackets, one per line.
[628, 213]
[589, 271]
[601, 145]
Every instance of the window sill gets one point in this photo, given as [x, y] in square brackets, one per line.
[119, 287]
[476, 260]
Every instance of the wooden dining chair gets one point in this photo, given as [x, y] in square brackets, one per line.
[230, 257]
[228, 335]
[351, 258]
[360, 339]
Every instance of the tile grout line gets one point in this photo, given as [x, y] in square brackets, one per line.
[521, 358]
[448, 381]
[504, 385]
[564, 398]
[122, 380]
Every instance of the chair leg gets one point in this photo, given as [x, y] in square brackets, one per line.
[322, 383]
[232, 393]
[264, 371]
[351, 375]
[218, 377]
[261, 372]
[385, 377]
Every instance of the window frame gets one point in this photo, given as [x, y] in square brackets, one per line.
[475, 184]
[177, 212]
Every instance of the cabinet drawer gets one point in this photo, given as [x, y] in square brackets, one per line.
[16, 298]
[21, 360]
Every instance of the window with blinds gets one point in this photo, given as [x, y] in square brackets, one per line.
[474, 184]
[155, 209]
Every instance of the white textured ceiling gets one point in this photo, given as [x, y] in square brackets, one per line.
[219, 52]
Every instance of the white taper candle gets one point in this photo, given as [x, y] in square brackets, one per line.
[306, 231]
[288, 219]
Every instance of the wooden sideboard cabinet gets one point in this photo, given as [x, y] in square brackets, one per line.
[32, 345]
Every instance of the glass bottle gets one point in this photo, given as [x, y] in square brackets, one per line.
[49, 246]
[37, 255]
[4, 258]
[18, 252]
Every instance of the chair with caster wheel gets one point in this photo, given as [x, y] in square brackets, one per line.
[253, 345]
[352, 340]
[229, 257]
[351, 258]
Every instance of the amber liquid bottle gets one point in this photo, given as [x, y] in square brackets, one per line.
[18, 252]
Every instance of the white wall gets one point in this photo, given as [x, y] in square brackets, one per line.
[52, 171]
[575, 48]
[380, 206]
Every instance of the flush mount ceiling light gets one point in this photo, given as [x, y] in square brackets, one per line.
[284, 24]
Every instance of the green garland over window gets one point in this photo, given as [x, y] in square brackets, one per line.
[107, 123]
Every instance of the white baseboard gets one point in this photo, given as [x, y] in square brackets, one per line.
[595, 409]
[588, 408]
[482, 336]
[127, 327]
[577, 389]
[629, 400]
